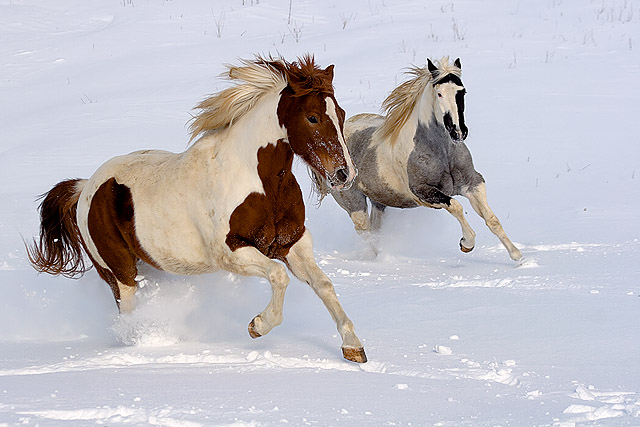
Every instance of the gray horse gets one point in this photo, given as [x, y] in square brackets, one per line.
[415, 156]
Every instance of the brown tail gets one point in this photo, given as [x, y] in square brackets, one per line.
[59, 250]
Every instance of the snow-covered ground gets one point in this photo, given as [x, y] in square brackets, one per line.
[452, 338]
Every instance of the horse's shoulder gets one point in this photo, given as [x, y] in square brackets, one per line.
[271, 221]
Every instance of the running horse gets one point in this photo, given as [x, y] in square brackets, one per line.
[230, 201]
[415, 155]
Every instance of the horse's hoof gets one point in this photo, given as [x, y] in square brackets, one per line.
[252, 329]
[354, 354]
[464, 248]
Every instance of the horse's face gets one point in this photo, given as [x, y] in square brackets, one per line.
[314, 122]
[449, 97]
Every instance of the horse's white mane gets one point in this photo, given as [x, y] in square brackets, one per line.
[403, 99]
[254, 79]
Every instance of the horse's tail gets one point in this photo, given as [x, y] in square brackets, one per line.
[59, 250]
[319, 185]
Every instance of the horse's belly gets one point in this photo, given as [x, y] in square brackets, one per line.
[384, 180]
[175, 244]
[387, 196]
[179, 233]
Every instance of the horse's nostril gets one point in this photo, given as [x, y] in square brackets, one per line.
[342, 175]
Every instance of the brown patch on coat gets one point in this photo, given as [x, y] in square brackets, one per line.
[112, 229]
[274, 221]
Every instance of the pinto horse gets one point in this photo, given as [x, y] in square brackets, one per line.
[416, 156]
[230, 201]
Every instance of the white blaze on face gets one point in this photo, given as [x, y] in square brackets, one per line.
[333, 115]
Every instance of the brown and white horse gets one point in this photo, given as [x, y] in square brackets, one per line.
[228, 202]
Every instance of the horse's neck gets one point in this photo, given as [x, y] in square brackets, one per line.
[254, 130]
[422, 114]
[230, 155]
[258, 127]
[427, 106]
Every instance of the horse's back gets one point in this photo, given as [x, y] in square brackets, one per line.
[141, 171]
[360, 122]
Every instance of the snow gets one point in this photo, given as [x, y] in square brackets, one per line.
[452, 338]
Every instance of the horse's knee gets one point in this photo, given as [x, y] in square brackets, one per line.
[278, 276]
[493, 222]
[455, 208]
[323, 288]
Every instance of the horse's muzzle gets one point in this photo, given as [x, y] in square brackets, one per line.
[458, 135]
[343, 178]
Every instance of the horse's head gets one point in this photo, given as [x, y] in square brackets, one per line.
[449, 92]
[314, 122]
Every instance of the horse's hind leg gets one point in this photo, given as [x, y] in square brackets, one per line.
[119, 273]
[127, 297]
[111, 241]
[478, 198]
[302, 264]
[124, 287]
[250, 261]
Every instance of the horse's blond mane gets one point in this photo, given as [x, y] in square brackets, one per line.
[254, 79]
[403, 99]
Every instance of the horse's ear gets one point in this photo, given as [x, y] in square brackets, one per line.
[457, 63]
[432, 68]
[329, 71]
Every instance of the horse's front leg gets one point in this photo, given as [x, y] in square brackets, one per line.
[478, 198]
[468, 240]
[251, 262]
[302, 264]
[375, 218]
[355, 203]
[433, 198]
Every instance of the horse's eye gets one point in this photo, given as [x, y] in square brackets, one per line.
[312, 119]
[439, 95]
